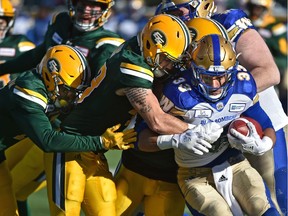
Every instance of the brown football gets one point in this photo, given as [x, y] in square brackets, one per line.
[240, 125]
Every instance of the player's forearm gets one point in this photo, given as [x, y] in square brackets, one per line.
[24, 62]
[163, 123]
[55, 141]
[147, 105]
[256, 57]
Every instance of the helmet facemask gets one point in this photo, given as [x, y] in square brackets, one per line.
[205, 79]
[213, 67]
[90, 15]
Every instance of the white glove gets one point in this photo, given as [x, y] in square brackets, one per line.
[198, 139]
[210, 131]
[252, 144]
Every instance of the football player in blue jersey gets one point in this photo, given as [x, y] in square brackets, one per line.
[257, 58]
[217, 88]
[245, 39]
[83, 28]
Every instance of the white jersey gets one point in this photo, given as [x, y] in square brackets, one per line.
[180, 99]
[270, 102]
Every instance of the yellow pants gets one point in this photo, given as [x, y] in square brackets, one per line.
[158, 197]
[7, 196]
[25, 159]
[88, 184]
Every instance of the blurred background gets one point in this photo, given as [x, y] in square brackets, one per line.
[128, 18]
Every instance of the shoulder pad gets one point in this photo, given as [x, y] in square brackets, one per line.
[235, 21]
[178, 91]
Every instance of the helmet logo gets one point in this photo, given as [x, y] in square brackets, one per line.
[53, 65]
[159, 37]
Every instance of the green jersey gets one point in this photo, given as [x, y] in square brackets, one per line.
[103, 104]
[96, 45]
[24, 103]
[10, 47]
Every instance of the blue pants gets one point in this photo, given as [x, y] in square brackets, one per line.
[280, 162]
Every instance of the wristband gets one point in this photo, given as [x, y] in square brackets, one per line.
[191, 126]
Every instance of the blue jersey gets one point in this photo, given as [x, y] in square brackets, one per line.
[183, 100]
[235, 21]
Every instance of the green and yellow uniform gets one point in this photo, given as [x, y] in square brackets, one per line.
[103, 104]
[24, 105]
[96, 45]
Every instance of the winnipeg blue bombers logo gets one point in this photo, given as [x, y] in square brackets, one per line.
[158, 37]
[53, 65]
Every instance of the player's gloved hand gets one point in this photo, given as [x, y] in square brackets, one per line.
[252, 144]
[197, 139]
[210, 131]
[118, 140]
[91, 163]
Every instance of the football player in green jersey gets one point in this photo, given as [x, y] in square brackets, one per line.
[83, 28]
[54, 85]
[128, 80]
[10, 45]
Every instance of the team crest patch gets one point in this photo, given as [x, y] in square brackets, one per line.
[219, 106]
[159, 37]
[53, 65]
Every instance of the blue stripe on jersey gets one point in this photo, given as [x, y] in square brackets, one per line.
[216, 50]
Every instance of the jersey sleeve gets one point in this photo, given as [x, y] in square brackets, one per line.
[256, 112]
[28, 112]
[235, 21]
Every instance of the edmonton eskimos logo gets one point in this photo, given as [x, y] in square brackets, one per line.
[53, 65]
[159, 37]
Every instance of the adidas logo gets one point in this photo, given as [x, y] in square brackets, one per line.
[222, 178]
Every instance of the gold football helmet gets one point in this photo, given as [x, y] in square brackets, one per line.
[195, 8]
[200, 27]
[214, 66]
[96, 18]
[7, 12]
[64, 66]
[167, 35]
